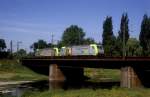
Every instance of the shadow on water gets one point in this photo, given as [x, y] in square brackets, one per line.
[46, 85]
[18, 90]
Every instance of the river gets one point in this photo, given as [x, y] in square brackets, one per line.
[17, 90]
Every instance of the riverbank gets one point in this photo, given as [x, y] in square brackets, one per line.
[12, 70]
[3, 83]
[114, 92]
[4, 86]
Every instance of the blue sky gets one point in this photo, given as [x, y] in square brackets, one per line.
[30, 20]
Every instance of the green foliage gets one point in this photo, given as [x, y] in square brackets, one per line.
[88, 41]
[124, 30]
[39, 45]
[60, 44]
[114, 92]
[124, 27]
[27, 93]
[102, 75]
[30, 54]
[73, 35]
[2, 44]
[21, 53]
[145, 35]
[133, 47]
[108, 37]
[107, 30]
[4, 55]
[12, 70]
[117, 47]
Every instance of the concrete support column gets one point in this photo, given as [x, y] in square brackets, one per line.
[55, 73]
[59, 75]
[56, 77]
[129, 78]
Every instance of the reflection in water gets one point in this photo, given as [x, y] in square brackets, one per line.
[56, 85]
[18, 90]
[13, 90]
[84, 84]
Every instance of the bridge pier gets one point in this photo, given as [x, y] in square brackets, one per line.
[55, 73]
[59, 75]
[130, 77]
[56, 77]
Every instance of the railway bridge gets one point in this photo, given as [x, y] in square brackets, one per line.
[135, 71]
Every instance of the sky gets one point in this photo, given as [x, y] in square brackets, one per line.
[28, 21]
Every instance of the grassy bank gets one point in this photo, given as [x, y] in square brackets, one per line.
[100, 75]
[114, 92]
[12, 70]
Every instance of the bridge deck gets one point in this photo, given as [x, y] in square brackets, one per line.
[89, 61]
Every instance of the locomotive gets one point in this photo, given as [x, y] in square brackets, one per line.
[47, 52]
[91, 49]
[82, 50]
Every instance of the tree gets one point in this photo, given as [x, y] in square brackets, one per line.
[144, 36]
[73, 35]
[133, 47]
[60, 44]
[30, 54]
[88, 41]
[39, 45]
[2, 45]
[108, 36]
[21, 53]
[123, 33]
[124, 29]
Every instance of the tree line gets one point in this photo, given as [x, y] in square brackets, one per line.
[123, 44]
[72, 35]
[113, 45]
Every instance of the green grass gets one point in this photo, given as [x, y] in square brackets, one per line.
[114, 92]
[12, 70]
[100, 75]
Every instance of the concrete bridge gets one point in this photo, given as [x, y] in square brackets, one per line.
[135, 71]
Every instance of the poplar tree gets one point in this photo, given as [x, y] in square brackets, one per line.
[123, 34]
[124, 29]
[144, 36]
[108, 36]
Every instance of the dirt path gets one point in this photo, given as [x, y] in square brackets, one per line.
[2, 83]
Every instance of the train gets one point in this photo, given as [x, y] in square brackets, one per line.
[47, 52]
[82, 50]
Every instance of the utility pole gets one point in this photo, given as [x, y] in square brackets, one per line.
[11, 47]
[18, 44]
[52, 40]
